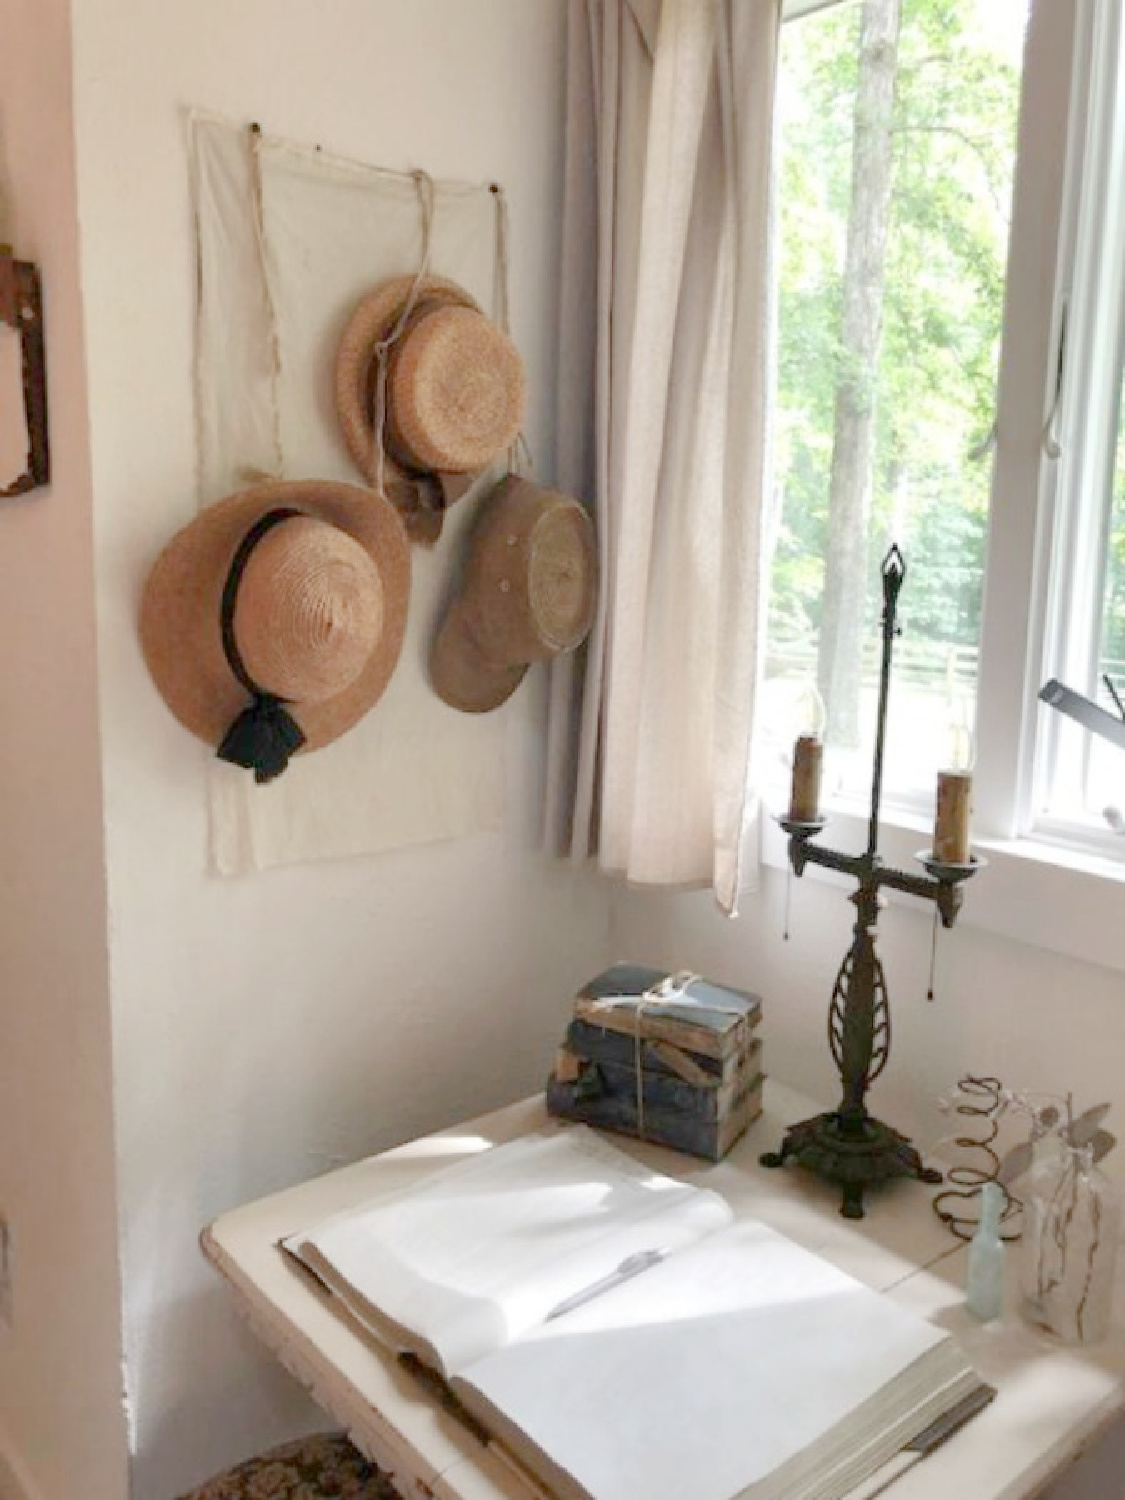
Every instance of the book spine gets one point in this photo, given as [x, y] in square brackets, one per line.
[600, 1044]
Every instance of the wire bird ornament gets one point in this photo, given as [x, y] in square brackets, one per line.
[986, 1102]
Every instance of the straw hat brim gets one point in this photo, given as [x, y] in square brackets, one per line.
[462, 675]
[373, 319]
[180, 609]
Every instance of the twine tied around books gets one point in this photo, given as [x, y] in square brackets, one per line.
[671, 990]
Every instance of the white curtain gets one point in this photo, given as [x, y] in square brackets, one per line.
[664, 362]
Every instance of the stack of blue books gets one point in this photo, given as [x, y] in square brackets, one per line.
[670, 1058]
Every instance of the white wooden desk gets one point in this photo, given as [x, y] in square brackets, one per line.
[1051, 1400]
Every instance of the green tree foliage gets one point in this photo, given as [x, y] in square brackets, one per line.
[956, 101]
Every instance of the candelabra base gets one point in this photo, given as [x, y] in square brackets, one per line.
[853, 1151]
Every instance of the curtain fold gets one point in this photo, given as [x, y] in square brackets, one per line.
[664, 359]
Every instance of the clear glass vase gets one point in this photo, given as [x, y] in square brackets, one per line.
[1071, 1215]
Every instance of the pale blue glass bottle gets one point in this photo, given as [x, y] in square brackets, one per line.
[985, 1291]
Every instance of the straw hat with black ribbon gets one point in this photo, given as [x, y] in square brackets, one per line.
[528, 593]
[273, 622]
[429, 391]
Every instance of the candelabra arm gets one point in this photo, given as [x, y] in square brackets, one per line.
[802, 853]
[947, 895]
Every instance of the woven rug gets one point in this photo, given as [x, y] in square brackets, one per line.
[307, 1469]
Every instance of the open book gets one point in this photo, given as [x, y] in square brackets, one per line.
[622, 1335]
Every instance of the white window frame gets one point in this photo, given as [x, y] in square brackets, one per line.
[1064, 899]
[1081, 439]
[1022, 516]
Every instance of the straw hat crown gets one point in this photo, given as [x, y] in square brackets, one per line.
[427, 389]
[309, 610]
[456, 391]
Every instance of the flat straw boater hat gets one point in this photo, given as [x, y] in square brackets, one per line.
[428, 392]
[274, 621]
[528, 593]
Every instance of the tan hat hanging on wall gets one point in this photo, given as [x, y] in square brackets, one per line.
[273, 622]
[428, 392]
[528, 593]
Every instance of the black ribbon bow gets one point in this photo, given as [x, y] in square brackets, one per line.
[265, 735]
[262, 738]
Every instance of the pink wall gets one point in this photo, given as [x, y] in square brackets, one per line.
[62, 1426]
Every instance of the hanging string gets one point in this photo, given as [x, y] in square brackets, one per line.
[788, 894]
[933, 955]
[500, 273]
[267, 292]
[520, 461]
[424, 184]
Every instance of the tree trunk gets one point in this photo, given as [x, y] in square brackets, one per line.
[841, 632]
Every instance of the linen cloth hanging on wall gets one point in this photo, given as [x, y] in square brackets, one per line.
[664, 360]
[276, 288]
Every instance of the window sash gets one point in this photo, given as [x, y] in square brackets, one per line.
[1092, 299]
[1023, 500]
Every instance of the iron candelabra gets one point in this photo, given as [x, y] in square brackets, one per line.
[847, 1145]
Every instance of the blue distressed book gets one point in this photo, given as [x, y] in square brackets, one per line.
[695, 1014]
[662, 1088]
[663, 1126]
[598, 1043]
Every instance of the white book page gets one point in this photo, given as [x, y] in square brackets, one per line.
[714, 1373]
[479, 1253]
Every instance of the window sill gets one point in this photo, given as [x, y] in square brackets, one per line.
[1064, 900]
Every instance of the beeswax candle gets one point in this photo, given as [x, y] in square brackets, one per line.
[804, 796]
[951, 822]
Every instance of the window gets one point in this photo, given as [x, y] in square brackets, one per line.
[897, 133]
[951, 288]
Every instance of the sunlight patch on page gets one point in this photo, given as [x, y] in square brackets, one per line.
[434, 1148]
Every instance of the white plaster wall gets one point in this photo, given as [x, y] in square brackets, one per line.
[62, 1428]
[269, 1027]
[1034, 1018]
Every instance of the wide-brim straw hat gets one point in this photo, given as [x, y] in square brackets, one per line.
[453, 396]
[528, 593]
[314, 578]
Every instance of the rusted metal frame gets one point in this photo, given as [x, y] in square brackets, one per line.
[21, 308]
